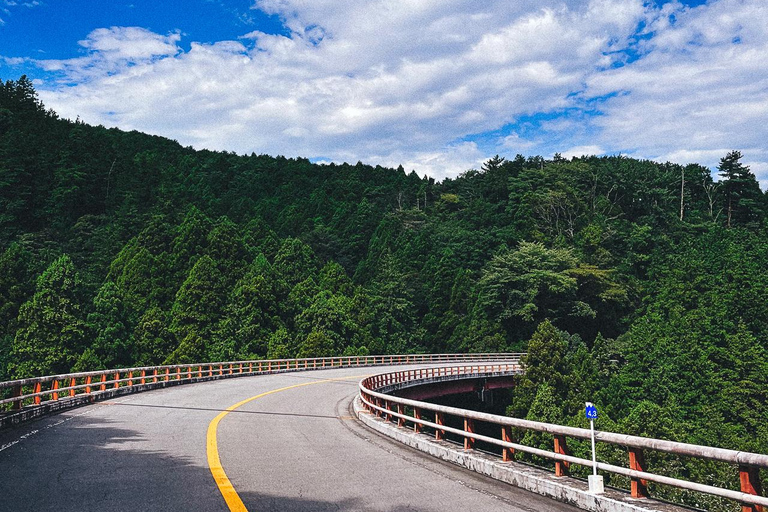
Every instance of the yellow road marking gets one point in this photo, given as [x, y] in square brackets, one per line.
[231, 497]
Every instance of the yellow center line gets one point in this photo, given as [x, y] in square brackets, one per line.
[231, 497]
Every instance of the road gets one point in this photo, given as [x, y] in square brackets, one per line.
[296, 447]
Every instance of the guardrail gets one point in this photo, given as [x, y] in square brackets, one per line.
[74, 387]
[390, 407]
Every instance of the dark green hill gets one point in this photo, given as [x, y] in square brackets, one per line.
[120, 248]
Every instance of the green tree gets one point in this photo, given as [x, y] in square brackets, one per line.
[252, 314]
[546, 361]
[16, 286]
[197, 310]
[741, 191]
[108, 321]
[295, 261]
[153, 338]
[51, 329]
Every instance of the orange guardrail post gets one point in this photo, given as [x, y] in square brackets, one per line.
[749, 477]
[88, 381]
[417, 416]
[561, 466]
[117, 378]
[508, 454]
[440, 420]
[469, 427]
[72, 383]
[54, 395]
[400, 410]
[37, 389]
[637, 462]
[143, 376]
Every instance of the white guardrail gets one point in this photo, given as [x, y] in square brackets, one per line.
[375, 398]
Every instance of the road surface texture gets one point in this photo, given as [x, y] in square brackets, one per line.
[295, 448]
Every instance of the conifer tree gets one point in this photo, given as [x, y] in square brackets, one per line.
[113, 344]
[197, 311]
[741, 190]
[52, 331]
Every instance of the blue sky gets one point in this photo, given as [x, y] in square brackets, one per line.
[435, 85]
[52, 29]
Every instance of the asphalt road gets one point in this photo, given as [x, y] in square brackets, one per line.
[298, 449]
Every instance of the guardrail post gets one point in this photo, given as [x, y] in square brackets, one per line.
[561, 466]
[637, 463]
[117, 378]
[55, 395]
[143, 376]
[417, 416]
[469, 427]
[750, 483]
[440, 420]
[167, 374]
[17, 391]
[400, 410]
[507, 454]
[38, 388]
[88, 381]
[130, 378]
[72, 383]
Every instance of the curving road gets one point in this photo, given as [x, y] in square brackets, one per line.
[296, 447]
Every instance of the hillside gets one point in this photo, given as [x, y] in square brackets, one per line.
[121, 249]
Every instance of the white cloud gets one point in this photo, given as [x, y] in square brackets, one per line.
[114, 53]
[513, 142]
[582, 151]
[391, 82]
[383, 82]
[699, 91]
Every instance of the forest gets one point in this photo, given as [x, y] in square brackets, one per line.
[637, 285]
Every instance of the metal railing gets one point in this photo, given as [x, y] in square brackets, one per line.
[73, 387]
[394, 408]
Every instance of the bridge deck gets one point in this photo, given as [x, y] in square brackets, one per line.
[296, 449]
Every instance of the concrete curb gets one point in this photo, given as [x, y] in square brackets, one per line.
[564, 489]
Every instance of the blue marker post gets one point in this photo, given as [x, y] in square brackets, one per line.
[595, 480]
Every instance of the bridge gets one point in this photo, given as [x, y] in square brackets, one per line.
[286, 437]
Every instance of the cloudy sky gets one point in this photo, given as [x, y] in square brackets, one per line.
[435, 85]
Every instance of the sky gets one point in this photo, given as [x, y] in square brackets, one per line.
[438, 86]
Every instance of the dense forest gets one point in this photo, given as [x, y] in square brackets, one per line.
[638, 285]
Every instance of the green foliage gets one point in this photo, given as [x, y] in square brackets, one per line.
[196, 311]
[112, 346]
[619, 296]
[51, 328]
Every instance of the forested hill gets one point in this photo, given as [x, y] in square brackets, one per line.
[121, 249]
